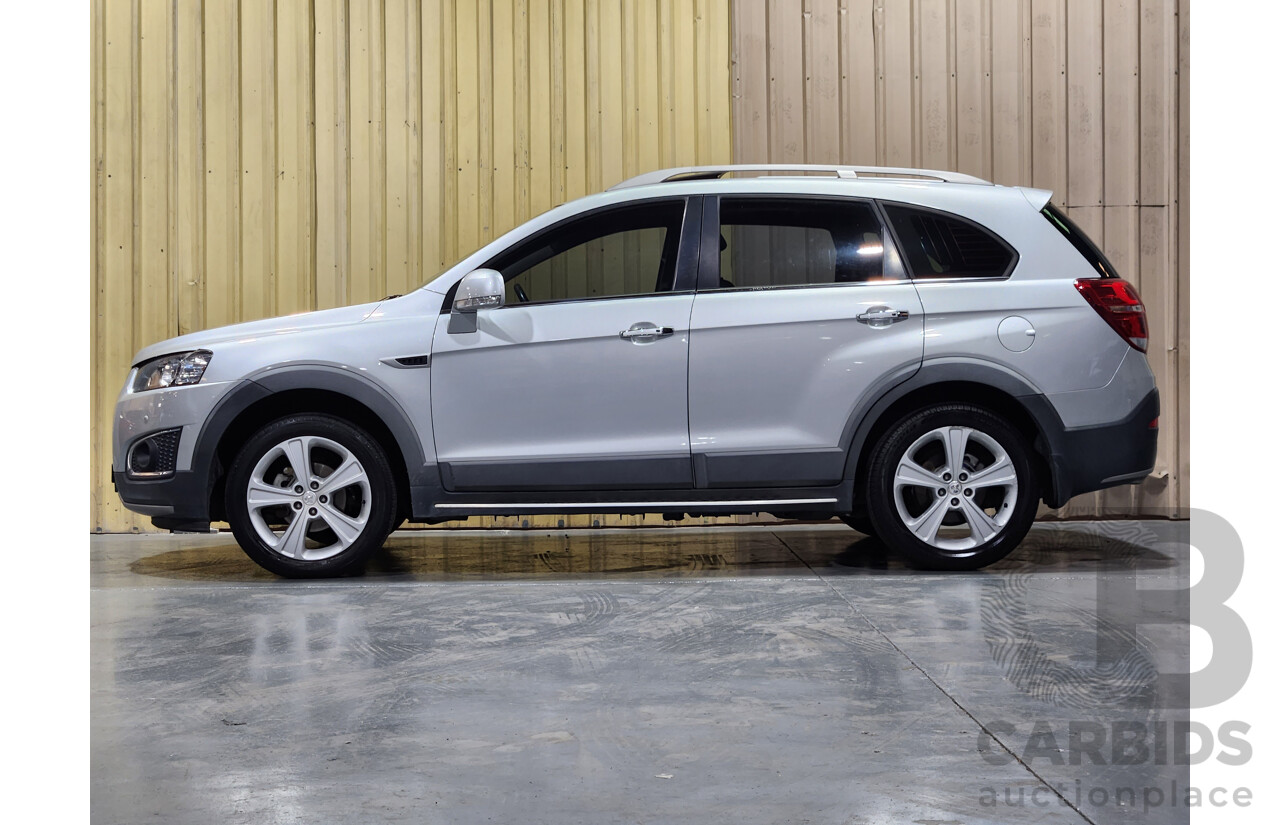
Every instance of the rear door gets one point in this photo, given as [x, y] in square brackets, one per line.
[805, 314]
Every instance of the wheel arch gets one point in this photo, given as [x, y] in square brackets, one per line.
[985, 385]
[265, 397]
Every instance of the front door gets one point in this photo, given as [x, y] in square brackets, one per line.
[809, 315]
[580, 381]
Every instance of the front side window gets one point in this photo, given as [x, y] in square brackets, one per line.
[781, 242]
[937, 245]
[629, 250]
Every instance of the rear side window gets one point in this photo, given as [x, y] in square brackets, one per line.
[789, 242]
[1079, 240]
[937, 245]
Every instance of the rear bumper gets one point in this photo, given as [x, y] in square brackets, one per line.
[1086, 459]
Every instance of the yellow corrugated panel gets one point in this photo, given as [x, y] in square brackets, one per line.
[255, 159]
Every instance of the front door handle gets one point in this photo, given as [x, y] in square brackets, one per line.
[883, 316]
[644, 332]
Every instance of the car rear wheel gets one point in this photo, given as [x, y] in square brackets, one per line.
[952, 487]
[310, 496]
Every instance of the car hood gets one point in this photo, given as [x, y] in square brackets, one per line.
[209, 338]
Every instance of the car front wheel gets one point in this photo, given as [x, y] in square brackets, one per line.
[310, 496]
[952, 487]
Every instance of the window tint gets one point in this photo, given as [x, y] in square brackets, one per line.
[1080, 241]
[943, 246]
[629, 250]
[770, 242]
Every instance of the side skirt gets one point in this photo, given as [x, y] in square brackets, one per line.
[436, 505]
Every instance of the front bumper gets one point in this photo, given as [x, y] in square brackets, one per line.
[1087, 459]
[179, 502]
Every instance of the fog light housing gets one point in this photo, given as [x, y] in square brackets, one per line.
[154, 455]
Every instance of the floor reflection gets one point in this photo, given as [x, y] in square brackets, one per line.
[467, 555]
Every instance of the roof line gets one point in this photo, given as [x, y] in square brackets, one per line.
[690, 173]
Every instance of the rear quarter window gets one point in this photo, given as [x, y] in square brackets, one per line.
[940, 245]
[1083, 244]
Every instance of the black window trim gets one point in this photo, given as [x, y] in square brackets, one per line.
[686, 263]
[709, 268]
[906, 262]
[1078, 238]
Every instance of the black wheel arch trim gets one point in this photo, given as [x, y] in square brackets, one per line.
[1051, 443]
[262, 385]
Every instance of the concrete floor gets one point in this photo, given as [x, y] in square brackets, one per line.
[762, 674]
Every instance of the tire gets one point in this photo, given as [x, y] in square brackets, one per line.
[989, 496]
[341, 526]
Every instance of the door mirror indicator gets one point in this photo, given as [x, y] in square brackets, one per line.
[480, 289]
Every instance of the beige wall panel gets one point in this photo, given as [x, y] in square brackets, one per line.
[785, 51]
[401, 97]
[1048, 97]
[251, 159]
[1084, 103]
[899, 132]
[972, 88]
[935, 84]
[1084, 97]
[1010, 91]
[332, 153]
[222, 162]
[822, 79]
[295, 158]
[751, 83]
[858, 80]
[257, 161]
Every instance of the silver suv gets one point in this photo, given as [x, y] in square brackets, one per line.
[922, 354]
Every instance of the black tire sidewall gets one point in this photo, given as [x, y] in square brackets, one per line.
[382, 489]
[884, 512]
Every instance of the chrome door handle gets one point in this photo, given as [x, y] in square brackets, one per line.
[883, 316]
[645, 331]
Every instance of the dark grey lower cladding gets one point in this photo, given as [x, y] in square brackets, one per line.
[176, 502]
[1093, 458]
[806, 468]
[611, 473]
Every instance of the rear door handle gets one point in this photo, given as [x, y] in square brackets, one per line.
[643, 332]
[883, 316]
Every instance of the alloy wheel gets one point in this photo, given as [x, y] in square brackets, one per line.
[955, 488]
[308, 498]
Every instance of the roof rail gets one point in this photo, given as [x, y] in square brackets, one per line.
[688, 173]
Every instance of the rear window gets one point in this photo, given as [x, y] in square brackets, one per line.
[1079, 240]
[938, 245]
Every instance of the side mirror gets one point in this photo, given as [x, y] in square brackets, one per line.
[481, 289]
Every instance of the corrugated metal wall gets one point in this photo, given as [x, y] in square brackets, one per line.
[1084, 97]
[261, 157]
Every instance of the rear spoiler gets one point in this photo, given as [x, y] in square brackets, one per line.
[1036, 197]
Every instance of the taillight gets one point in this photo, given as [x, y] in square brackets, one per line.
[1119, 305]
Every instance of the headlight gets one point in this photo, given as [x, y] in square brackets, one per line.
[175, 370]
